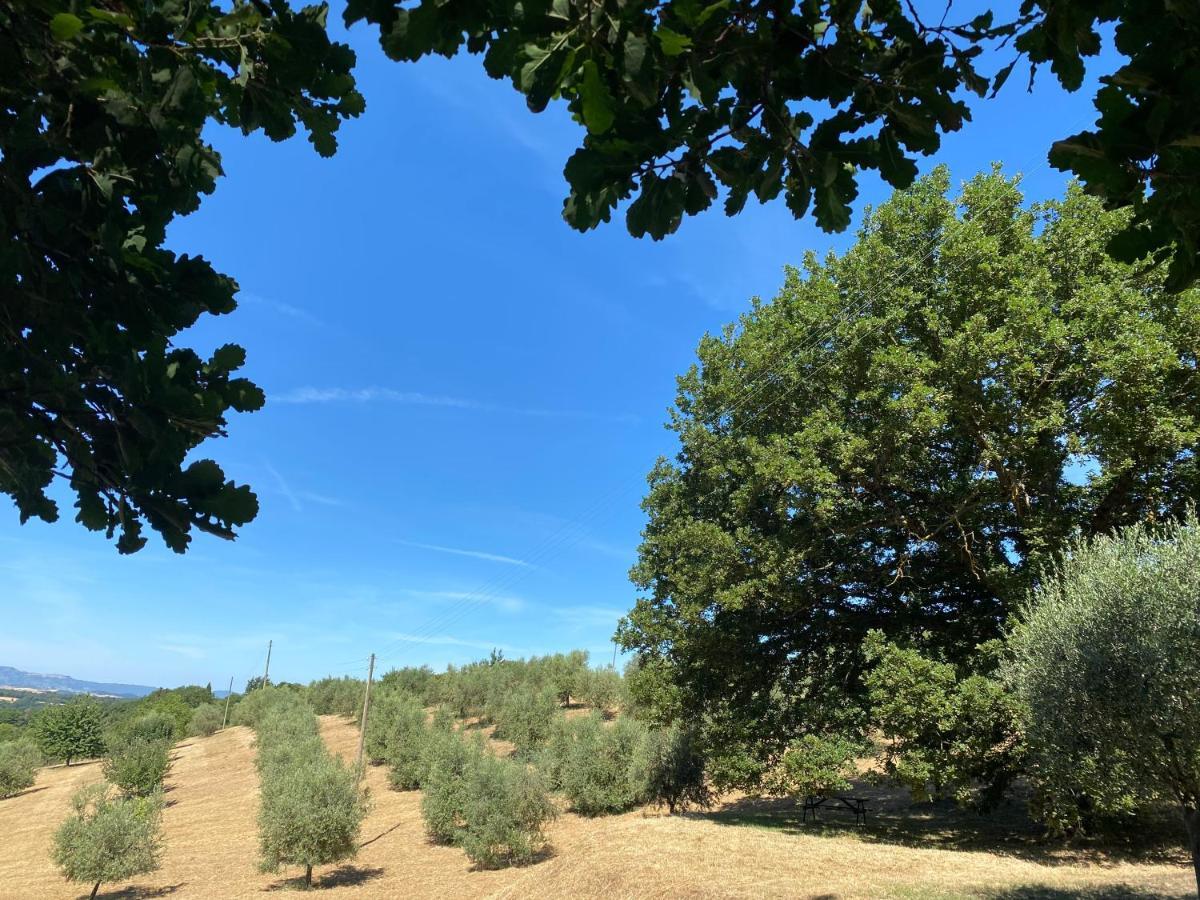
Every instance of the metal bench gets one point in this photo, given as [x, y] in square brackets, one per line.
[856, 805]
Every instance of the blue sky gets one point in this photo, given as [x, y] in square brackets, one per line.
[464, 395]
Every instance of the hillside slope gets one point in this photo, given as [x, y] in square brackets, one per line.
[211, 851]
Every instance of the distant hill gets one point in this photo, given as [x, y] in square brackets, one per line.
[15, 678]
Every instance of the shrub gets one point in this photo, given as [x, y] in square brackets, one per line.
[396, 735]
[1106, 672]
[410, 680]
[138, 765]
[395, 715]
[70, 730]
[156, 725]
[505, 810]
[336, 696]
[311, 814]
[19, 761]
[449, 759]
[288, 735]
[601, 689]
[206, 720]
[109, 838]
[946, 728]
[525, 718]
[253, 706]
[668, 767]
[813, 766]
[593, 764]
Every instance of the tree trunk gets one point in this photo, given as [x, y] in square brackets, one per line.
[1191, 818]
[96, 888]
[308, 877]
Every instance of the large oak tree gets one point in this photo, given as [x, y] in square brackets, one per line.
[900, 439]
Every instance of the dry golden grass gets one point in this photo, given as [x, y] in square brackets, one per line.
[211, 850]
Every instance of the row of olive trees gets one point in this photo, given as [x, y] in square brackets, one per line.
[312, 805]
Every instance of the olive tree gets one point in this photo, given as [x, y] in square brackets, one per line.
[138, 765]
[1105, 666]
[311, 814]
[109, 838]
[19, 761]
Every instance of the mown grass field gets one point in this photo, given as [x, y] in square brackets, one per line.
[743, 848]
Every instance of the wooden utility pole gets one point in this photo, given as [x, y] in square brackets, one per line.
[362, 728]
[228, 697]
[267, 670]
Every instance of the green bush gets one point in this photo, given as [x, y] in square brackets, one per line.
[399, 737]
[1105, 669]
[253, 706]
[138, 765]
[411, 680]
[814, 766]
[525, 717]
[206, 720]
[71, 730]
[506, 808]
[336, 697]
[449, 759]
[19, 761]
[109, 838]
[601, 689]
[668, 767]
[311, 813]
[287, 736]
[592, 763]
[156, 725]
[947, 729]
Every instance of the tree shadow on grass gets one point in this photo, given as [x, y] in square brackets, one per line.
[1111, 892]
[348, 875]
[140, 893]
[893, 818]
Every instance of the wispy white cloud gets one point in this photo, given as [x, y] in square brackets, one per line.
[316, 395]
[474, 554]
[297, 498]
[445, 640]
[500, 601]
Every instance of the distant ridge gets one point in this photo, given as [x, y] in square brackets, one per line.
[15, 678]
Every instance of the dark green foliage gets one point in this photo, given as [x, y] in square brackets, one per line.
[593, 763]
[914, 456]
[105, 108]
[505, 811]
[19, 761]
[206, 720]
[813, 766]
[337, 696]
[525, 718]
[1105, 667]
[945, 730]
[138, 765]
[669, 764]
[446, 795]
[109, 838]
[70, 731]
[685, 103]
